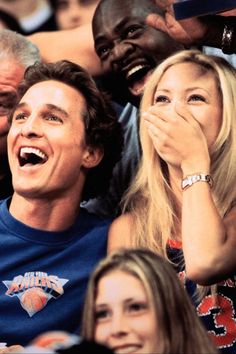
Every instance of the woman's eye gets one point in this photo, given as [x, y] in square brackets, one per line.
[101, 315]
[196, 98]
[136, 307]
[62, 5]
[162, 98]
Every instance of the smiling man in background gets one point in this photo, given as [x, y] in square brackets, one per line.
[16, 54]
[128, 48]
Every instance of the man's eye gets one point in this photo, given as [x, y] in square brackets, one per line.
[7, 105]
[19, 116]
[162, 98]
[53, 118]
[102, 52]
[196, 98]
[132, 31]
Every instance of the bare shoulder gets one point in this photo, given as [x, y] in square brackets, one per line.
[230, 223]
[120, 232]
[78, 46]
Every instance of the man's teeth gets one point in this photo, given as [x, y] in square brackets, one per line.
[24, 151]
[134, 70]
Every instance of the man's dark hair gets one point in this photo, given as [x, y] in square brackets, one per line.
[102, 128]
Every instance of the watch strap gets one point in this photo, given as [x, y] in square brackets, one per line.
[198, 177]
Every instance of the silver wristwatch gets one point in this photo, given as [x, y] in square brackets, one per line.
[191, 179]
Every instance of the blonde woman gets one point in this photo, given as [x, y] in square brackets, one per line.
[147, 310]
[183, 197]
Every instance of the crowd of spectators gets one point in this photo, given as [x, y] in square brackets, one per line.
[117, 177]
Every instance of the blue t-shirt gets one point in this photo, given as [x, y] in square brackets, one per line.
[43, 275]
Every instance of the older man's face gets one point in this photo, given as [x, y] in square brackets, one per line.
[11, 73]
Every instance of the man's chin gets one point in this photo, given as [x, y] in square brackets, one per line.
[135, 97]
[136, 92]
[136, 88]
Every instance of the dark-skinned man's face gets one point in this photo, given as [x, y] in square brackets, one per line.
[128, 48]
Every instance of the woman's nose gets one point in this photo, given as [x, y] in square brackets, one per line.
[119, 325]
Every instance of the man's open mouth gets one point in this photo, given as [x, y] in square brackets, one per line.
[31, 156]
[137, 78]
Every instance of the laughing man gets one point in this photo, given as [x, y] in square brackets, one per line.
[62, 145]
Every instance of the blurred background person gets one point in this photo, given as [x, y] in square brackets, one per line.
[10, 22]
[73, 13]
[33, 15]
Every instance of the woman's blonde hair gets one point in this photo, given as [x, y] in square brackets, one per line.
[179, 328]
[150, 198]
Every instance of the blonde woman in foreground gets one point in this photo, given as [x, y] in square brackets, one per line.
[135, 303]
[182, 201]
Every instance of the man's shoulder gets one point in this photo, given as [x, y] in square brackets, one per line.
[3, 205]
[94, 218]
[93, 223]
[91, 233]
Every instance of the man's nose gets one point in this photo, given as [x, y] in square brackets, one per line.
[120, 52]
[31, 127]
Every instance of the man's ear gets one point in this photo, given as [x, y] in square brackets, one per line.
[92, 156]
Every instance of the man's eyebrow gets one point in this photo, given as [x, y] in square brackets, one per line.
[20, 105]
[119, 26]
[122, 23]
[54, 108]
[48, 106]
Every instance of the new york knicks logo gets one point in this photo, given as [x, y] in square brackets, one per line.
[35, 289]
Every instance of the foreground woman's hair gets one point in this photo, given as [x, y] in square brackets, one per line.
[179, 328]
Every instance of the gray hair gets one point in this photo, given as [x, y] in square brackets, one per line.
[15, 46]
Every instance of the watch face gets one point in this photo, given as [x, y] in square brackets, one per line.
[191, 8]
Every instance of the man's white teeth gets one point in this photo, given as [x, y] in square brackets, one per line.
[24, 151]
[134, 70]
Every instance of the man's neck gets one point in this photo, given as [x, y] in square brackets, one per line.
[45, 214]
